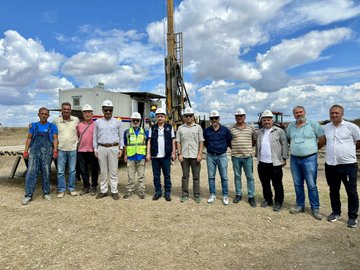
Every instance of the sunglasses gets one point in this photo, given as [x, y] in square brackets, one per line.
[135, 120]
[108, 110]
[214, 118]
[188, 115]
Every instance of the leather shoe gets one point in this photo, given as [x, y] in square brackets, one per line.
[115, 196]
[156, 196]
[101, 195]
[252, 202]
[237, 199]
[168, 198]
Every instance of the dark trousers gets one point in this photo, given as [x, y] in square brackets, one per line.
[274, 174]
[195, 169]
[163, 164]
[347, 174]
[86, 160]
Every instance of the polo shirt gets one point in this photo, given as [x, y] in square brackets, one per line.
[341, 143]
[189, 137]
[242, 141]
[303, 140]
[67, 133]
[86, 143]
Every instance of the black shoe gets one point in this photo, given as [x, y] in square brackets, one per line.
[168, 198]
[156, 196]
[127, 195]
[85, 191]
[237, 199]
[277, 207]
[115, 196]
[266, 204]
[252, 202]
[142, 195]
[101, 195]
[93, 191]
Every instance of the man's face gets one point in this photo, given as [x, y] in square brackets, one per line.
[66, 110]
[240, 119]
[87, 115]
[267, 122]
[299, 114]
[214, 120]
[43, 115]
[189, 118]
[160, 118]
[108, 112]
[336, 115]
[135, 123]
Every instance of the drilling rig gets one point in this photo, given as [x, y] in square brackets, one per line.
[176, 94]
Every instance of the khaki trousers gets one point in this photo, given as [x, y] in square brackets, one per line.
[108, 161]
[133, 168]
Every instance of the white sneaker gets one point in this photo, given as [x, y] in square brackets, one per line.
[225, 200]
[73, 193]
[47, 197]
[26, 200]
[212, 198]
[61, 195]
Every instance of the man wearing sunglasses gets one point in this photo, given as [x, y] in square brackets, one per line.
[190, 144]
[161, 150]
[217, 140]
[242, 143]
[108, 146]
[135, 139]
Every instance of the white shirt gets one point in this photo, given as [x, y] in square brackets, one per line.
[161, 141]
[265, 150]
[341, 143]
[108, 131]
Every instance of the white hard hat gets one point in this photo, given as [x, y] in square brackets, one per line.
[87, 107]
[267, 113]
[135, 115]
[107, 103]
[160, 111]
[240, 111]
[214, 113]
[188, 110]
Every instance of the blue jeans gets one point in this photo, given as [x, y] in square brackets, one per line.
[163, 164]
[305, 169]
[221, 162]
[66, 157]
[247, 164]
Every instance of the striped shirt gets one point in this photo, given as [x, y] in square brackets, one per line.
[108, 131]
[243, 140]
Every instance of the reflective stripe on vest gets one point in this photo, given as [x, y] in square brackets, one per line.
[135, 144]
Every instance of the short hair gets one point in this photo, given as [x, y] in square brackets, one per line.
[299, 107]
[338, 107]
[43, 108]
[65, 104]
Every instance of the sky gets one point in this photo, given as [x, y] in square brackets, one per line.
[248, 54]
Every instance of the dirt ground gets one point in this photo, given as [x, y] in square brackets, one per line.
[84, 233]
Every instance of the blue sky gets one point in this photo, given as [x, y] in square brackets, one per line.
[252, 54]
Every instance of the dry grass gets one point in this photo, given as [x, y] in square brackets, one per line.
[85, 233]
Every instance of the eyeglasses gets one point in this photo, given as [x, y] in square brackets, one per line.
[135, 120]
[240, 115]
[188, 115]
[108, 110]
[214, 118]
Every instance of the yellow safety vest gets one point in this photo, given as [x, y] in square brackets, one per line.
[135, 144]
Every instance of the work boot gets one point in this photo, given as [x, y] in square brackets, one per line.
[85, 191]
[142, 195]
[101, 195]
[252, 202]
[127, 195]
[316, 214]
[296, 210]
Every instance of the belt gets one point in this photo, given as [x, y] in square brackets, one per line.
[303, 157]
[215, 154]
[108, 144]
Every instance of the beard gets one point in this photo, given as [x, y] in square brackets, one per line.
[300, 119]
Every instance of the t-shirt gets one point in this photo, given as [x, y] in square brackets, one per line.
[43, 128]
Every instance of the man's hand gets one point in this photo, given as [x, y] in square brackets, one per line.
[125, 158]
[96, 154]
[26, 155]
[181, 158]
[55, 154]
[148, 157]
[199, 158]
[120, 153]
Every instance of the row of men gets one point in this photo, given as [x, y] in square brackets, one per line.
[104, 141]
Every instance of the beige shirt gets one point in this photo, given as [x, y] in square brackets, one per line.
[190, 138]
[67, 135]
[242, 141]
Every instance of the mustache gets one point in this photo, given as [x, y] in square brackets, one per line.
[301, 118]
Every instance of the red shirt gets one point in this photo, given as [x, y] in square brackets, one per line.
[86, 143]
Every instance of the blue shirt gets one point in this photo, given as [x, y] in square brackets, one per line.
[136, 157]
[38, 127]
[303, 140]
[217, 142]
